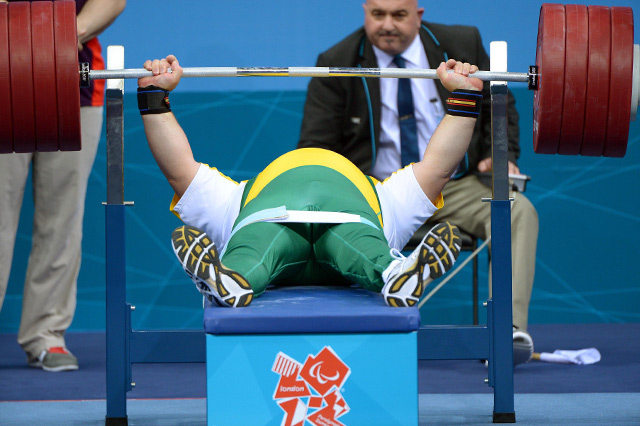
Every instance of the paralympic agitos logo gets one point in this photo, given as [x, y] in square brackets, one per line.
[311, 391]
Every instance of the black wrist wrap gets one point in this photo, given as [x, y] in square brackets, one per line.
[464, 103]
[153, 100]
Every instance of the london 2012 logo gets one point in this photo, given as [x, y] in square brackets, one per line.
[311, 392]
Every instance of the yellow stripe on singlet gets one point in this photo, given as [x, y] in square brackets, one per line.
[316, 157]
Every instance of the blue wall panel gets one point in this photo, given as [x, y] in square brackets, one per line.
[588, 207]
[587, 248]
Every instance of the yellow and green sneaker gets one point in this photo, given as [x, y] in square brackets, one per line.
[407, 277]
[200, 260]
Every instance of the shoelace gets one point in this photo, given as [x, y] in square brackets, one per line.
[202, 286]
[397, 255]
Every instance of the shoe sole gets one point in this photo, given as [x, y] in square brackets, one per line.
[445, 242]
[60, 368]
[197, 254]
[68, 367]
[416, 270]
[439, 250]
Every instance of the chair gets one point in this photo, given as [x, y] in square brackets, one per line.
[469, 242]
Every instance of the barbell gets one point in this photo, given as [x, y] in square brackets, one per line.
[586, 78]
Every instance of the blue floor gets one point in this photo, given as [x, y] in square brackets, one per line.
[451, 392]
[618, 371]
[576, 409]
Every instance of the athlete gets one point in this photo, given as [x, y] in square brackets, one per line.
[310, 216]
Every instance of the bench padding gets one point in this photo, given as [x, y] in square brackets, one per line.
[312, 309]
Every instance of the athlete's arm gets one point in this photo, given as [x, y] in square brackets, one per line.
[451, 138]
[167, 141]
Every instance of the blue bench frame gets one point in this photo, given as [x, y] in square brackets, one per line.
[126, 346]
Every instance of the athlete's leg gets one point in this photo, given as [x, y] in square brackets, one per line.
[265, 252]
[357, 251]
[360, 253]
[255, 256]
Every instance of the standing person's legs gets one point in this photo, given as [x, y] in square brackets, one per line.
[463, 207]
[14, 169]
[524, 242]
[59, 185]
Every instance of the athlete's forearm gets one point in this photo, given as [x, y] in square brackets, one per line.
[444, 153]
[450, 141]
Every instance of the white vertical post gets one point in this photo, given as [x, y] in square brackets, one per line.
[115, 61]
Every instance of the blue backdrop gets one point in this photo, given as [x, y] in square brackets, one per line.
[588, 207]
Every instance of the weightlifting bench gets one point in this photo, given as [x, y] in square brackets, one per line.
[301, 353]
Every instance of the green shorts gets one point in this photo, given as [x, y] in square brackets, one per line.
[310, 253]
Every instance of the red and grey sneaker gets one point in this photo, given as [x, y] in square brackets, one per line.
[200, 260]
[407, 277]
[55, 359]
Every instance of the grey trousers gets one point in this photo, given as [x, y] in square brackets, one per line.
[464, 208]
[59, 189]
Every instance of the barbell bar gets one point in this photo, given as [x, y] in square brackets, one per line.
[306, 72]
[586, 78]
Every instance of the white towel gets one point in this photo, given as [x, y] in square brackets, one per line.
[580, 357]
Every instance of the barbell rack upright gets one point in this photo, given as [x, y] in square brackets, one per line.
[118, 322]
[499, 306]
